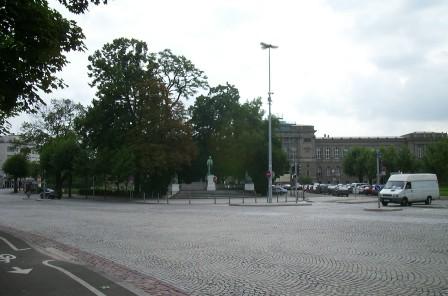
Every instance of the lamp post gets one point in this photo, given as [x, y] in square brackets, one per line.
[268, 47]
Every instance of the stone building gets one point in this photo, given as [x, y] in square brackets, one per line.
[321, 158]
[9, 148]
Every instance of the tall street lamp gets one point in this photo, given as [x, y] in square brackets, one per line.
[268, 47]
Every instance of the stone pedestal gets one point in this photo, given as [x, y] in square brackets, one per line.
[174, 188]
[211, 183]
[249, 187]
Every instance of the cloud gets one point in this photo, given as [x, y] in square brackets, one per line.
[349, 67]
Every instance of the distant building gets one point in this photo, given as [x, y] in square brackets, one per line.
[321, 158]
[8, 148]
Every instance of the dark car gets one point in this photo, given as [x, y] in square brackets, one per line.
[341, 190]
[49, 193]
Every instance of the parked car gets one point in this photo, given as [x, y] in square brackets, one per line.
[364, 189]
[331, 188]
[373, 189]
[49, 193]
[287, 186]
[323, 188]
[299, 187]
[277, 189]
[341, 190]
[356, 187]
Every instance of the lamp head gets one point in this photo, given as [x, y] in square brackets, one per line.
[265, 45]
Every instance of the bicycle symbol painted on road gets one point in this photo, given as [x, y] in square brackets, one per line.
[6, 258]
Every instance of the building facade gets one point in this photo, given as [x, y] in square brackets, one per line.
[8, 148]
[321, 158]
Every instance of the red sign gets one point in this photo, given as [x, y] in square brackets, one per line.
[268, 174]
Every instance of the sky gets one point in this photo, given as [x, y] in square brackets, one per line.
[350, 68]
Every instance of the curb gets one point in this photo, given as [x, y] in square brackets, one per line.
[356, 201]
[383, 209]
[301, 204]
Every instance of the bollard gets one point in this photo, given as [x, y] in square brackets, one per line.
[243, 199]
[167, 202]
[255, 198]
[189, 201]
[144, 197]
[215, 199]
[277, 197]
[286, 197]
[158, 198]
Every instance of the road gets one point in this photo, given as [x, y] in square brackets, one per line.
[328, 248]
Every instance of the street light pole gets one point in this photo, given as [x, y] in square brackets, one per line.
[268, 47]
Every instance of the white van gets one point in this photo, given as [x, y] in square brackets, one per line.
[406, 189]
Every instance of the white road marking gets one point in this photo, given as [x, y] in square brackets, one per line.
[20, 270]
[75, 278]
[12, 246]
[6, 258]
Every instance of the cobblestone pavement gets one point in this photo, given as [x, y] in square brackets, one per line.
[325, 249]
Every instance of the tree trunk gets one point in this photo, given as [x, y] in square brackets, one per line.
[15, 185]
[58, 179]
[70, 179]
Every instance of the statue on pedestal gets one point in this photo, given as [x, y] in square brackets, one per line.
[210, 178]
[209, 165]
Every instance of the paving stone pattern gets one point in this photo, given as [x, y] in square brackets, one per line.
[324, 249]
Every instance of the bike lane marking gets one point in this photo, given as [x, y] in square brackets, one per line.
[12, 246]
[74, 277]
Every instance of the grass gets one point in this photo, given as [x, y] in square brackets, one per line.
[444, 191]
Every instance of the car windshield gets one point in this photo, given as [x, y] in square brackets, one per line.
[394, 185]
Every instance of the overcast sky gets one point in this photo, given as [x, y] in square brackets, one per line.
[350, 68]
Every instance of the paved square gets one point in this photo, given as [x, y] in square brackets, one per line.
[205, 249]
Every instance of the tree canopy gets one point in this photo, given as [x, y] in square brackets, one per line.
[235, 135]
[17, 167]
[135, 111]
[55, 120]
[436, 159]
[34, 40]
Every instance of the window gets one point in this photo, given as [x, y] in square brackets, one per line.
[319, 172]
[328, 171]
[318, 153]
[420, 151]
[11, 149]
[338, 171]
[336, 153]
[327, 152]
[306, 140]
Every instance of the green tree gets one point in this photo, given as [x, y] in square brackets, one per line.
[134, 109]
[389, 159]
[436, 159]
[34, 41]
[17, 167]
[406, 161]
[235, 135]
[58, 157]
[52, 121]
[180, 76]
[360, 162]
